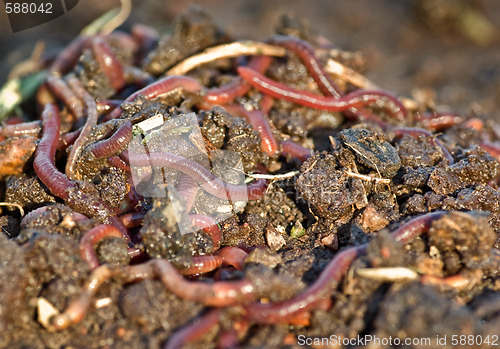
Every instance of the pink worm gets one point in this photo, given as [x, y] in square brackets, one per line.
[108, 63]
[234, 256]
[91, 238]
[209, 226]
[114, 144]
[296, 150]
[60, 185]
[354, 99]
[258, 121]
[238, 87]
[194, 331]
[202, 265]
[160, 87]
[201, 175]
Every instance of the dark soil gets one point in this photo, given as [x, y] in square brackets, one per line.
[360, 184]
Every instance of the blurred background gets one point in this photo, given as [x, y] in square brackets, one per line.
[450, 48]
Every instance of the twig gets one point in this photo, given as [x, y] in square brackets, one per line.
[231, 50]
[368, 178]
[19, 207]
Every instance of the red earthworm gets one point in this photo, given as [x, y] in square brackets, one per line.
[114, 144]
[68, 139]
[188, 190]
[91, 238]
[399, 132]
[132, 219]
[59, 184]
[195, 330]
[324, 81]
[438, 121]
[31, 128]
[228, 339]
[281, 312]
[108, 105]
[46, 152]
[296, 150]
[238, 87]
[352, 100]
[258, 121]
[474, 123]
[76, 310]
[233, 256]
[68, 57]
[416, 226]
[201, 175]
[108, 63]
[492, 149]
[117, 162]
[201, 265]
[91, 120]
[218, 294]
[306, 54]
[59, 87]
[160, 87]
[209, 226]
[266, 104]
[35, 214]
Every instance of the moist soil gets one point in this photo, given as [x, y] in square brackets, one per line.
[360, 184]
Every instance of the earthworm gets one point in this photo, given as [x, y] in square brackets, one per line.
[296, 150]
[59, 184]
[306, 54]
[108, 63]
[160, 87]
[114, 144]
[35, 214]
[238, 87]
[233, 256]
[266, 104]
[195, 330]
[31, 128]
[132, 219]
[218, 294]
[209, 226]
[474, 123]
[91, 238]
[258, 121]
[201, 175]
[324, 81]
[188, 190]
[117, 162]
[44, 163]
[399, 132]
[281, 312]
[354, 99]
[61, 89]
[108, 105]
[68, 57]
[438, 121]
[416, 226]
[201, 265]
[91, 120]
[76, 310]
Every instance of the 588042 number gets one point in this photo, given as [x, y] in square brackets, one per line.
[28, 7]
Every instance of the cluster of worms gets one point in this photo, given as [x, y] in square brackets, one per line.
[63, 89]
